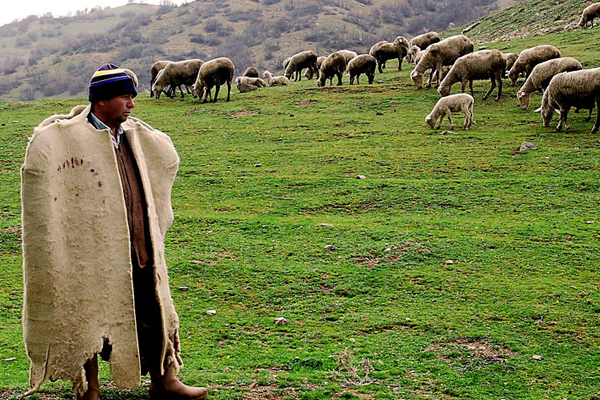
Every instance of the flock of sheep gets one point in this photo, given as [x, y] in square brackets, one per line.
[562, 80]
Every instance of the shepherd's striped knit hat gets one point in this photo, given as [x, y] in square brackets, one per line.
[110, 81]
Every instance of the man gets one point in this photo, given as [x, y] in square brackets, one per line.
[96, 198]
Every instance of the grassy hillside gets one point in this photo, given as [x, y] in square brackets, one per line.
[459, 267]
[51, 57]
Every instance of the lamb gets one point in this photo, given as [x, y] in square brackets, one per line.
[590, 13]
[579, 89]
[383, 51]
[258, 82]
[423, 41]
[175, 74]
[214, 73]
[251, 72]
[299, 61]
[439, 54]
[334, 65]
[365, 63]
[529, 58]
[454, 103]
[275, 80]
[483, 64]
[541, 75]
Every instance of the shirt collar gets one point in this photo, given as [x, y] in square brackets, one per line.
[96, 123]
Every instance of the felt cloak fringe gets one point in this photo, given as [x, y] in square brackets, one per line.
[76, 248]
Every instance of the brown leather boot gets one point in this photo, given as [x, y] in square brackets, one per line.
[91, 374]
[169, 387]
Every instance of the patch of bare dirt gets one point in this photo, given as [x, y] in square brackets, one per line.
[9, 394]
[305, 102]
[270, 392]
[244, 113]
[460, 350]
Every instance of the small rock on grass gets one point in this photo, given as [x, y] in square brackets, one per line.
[538, 357]
[527, 146]
[361, 177]
[211, 312]
[281, 321]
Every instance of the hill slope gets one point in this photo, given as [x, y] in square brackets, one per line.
[46, 57]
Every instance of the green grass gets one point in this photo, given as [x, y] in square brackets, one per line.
[455, 262]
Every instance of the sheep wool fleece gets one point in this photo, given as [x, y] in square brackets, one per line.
[78, 290]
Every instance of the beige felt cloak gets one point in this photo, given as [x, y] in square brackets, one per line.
[76, 248]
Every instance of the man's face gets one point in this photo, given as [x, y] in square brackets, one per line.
[115, 110]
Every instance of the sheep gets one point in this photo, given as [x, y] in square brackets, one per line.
[275, 80]
[299, 61]
[439, 54]
[541, 75]
[414, 54]
[176, 74]
[348, 55]
[334, 65]
[423, 41]
[365, 63]
[510, 60]
[529, 58]
[579, 89]
[308, 74]
[589, 14]
[481, 64]
[444, 107]
[258, 82]
[213, 73]
[383, 51]
[251, 72]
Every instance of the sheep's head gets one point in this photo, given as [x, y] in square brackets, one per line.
[267, 75]
[195, 91]
[523, 99]
[157, 90]
[430, 121]
[513, 75]
[443, 90]
[417, 78]
[547, 113]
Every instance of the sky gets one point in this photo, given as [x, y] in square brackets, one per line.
[19, 9]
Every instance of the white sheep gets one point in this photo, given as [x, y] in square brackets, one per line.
[348, 55]
[299, 61]
[175, 74]
[214, 73]
[590, 13]
[453, 103]
[440, 54]
[275, 80]
[258, 82]
[580, 89]
[363, 64]
[425, 40]
[483, 64]
[541, 75]
[414, 54]
[531, 57]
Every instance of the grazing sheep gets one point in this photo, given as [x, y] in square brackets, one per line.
[175, 74]
[258, 82]
[541, 75]
[580, 89]
[439, 54]
[334, 65]
[214, 73]
[286, 62]
[423, 41]
[383, 51]
[365, 63]
[414, 54]
[348, 55]
[154, 70]
[590, 13]
[531, 57]
[252, 72]
[454, 103]
[299, 61]
[510, 61]
[483, 64]
[275, 80]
